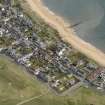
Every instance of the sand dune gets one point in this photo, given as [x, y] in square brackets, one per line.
[67, 34]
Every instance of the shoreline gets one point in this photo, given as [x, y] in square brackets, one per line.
[67, 34]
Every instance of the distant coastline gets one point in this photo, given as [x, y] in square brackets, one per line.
[66, 33]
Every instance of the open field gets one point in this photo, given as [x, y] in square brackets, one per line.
[82, 96]
[16, 85]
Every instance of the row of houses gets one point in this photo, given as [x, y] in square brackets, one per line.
[48, 62]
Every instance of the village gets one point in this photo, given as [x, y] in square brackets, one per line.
[37, 47]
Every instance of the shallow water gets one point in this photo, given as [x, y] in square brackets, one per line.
[88, 14]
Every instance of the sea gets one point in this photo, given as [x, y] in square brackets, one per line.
[87, 17]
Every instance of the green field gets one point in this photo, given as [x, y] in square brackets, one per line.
[16, 85]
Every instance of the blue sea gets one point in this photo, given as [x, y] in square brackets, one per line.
[88, 14]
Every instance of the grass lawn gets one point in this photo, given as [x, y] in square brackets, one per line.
[17, 85]
[82, 96]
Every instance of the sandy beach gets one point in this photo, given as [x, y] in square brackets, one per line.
[66, 33]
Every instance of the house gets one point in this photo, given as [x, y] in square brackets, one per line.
[72, 81]
[40, 75]
[94, 74]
